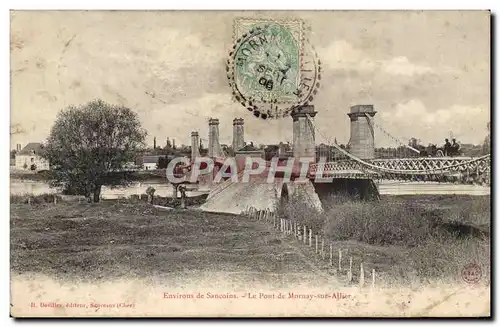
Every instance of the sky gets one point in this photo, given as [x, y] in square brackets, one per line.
[426, 72]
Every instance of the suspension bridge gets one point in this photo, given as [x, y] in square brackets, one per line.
[354, 168]
[361, 162]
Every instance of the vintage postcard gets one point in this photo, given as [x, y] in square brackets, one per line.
[250, 164]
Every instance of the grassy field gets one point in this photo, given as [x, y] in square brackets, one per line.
[92, 242]
[408, 239]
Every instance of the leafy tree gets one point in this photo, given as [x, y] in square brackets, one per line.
[13, 154]
[162, 162]
[89, 145]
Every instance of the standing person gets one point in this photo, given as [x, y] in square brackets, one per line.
[455, 147]
[447, 147]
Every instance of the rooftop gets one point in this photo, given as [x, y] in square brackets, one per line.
[151, 159]
[31, 148]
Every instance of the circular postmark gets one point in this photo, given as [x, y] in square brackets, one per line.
[271, 72]
[471, 273]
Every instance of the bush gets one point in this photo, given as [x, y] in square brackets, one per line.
[380, 224]
[408, 241]
[443, 259]
[298, 211]
[35, 199]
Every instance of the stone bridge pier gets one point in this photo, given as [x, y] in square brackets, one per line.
[304, 147]
[213, 137]
[362, 141]
[362, 145]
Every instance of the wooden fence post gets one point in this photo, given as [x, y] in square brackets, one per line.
[373, 278]
[331, 254]
[340, 260]
[305, 234]
[361, 276]
[323, 248]
[29, 200]
[310, 237]
[349, 273]
[316, 241]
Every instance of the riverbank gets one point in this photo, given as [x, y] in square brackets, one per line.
[27, 186]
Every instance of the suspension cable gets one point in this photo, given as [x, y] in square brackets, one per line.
[370, 119]
[390, 170]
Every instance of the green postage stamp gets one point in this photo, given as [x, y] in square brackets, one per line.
[269, 66]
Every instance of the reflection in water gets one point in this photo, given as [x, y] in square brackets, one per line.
[19, 187]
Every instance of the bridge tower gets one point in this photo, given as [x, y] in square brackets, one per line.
[362, 141]
[195, 143]
[238, 134]
[213, 137]
[303, 132]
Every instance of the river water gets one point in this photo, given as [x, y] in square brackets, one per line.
[20, 187]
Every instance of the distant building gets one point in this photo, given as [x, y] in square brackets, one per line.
[29, 158]
[150, 162]
[249, 150]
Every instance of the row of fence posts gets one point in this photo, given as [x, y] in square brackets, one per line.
[305, 235]
[54, 201]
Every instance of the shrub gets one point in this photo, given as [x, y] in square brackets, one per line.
[444, 258]
[35, 199]
[298, 211]
[380, 224]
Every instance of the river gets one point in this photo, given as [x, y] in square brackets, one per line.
[20, 187]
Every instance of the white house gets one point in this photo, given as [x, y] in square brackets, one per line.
[29, 158]
[150, 162]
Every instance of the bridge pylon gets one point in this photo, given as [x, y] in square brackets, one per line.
[303, 132]
[195, 143]
[362, 141]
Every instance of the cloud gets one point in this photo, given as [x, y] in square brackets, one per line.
[341, 55]
[125, 57]
[413, 119]
[402, 66]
